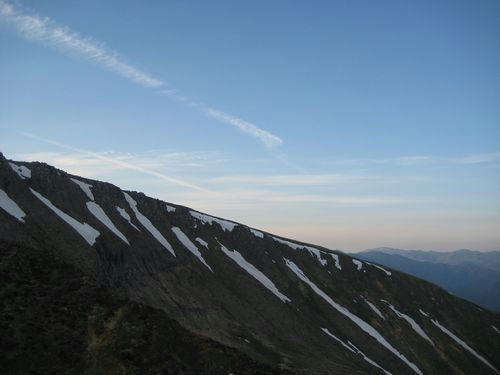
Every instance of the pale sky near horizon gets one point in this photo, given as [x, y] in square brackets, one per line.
[351, 125]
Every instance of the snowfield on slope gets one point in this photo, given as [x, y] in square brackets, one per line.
[86, 231]
[148, 224]
[189, 245]
[337, 261]
[99, 213]
[11, 207]
[464, 345]
[225, 225]
[358, 264]
[354, 318]
[416, 327]
[355, 350]
[374, 308]
[85, 187]
[201, 242]
[22, 171]
[123, 213]
[315, 252]
[256, 233]
[252, 270]
[388, 273]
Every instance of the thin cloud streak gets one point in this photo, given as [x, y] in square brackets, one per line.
[44, 29]
[269, 139]
[422, 160]
[122, 163]
[290, 179]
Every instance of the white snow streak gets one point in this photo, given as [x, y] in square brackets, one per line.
[170, 208]
[358, 264]
[147, 224]
[225, 225]
[463, 344]
[339, 340]
[413, 324]
[256, 233]
[85, 187]
[250, 268]
[313, 251]
[86, 231]
[388, 273]
[423, 313]
[375, 309]
[189, 245]
[368, 359]
[337, 261]
[201, 242]
[11, 207]
[496, 329]
[354, 349]
[22, 171]
[123, 213]
[99, 213]
[358, 321]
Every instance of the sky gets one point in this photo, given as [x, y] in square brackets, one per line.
[347, 124]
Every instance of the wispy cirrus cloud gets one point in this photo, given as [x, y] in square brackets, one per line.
[421, 160]
[121, 162]
[45, 30]
[289, 179]
[269, 139]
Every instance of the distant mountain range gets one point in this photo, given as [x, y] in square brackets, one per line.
[468, 274]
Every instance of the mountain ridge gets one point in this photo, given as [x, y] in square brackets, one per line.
[329, 325]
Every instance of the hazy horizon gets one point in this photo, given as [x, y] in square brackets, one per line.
[351, 126]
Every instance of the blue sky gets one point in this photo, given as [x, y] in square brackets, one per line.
[347, 124]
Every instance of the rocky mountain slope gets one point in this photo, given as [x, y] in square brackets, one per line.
[271, 303]
[467, 280]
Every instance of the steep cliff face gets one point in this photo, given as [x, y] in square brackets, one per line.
[283, 303]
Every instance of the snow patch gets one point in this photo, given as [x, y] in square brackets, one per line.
[11, 207]
[170, 208]
[225, 225]
[22, 171]
[250, 268]
[256, 233]
[388, 273]
[189, 245]
[413, 324]
[201, 242]
[463, 344]
[423, 313]
[354, 318]
[337, 261]
[495, 329]
[86, 231]
[313, 251]
[325, 330]
[358, 263]
[99, 213]
[375, 309]
[351, 347]
[368, 359]
[85, 187]
[123, 213]
[148, 225]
